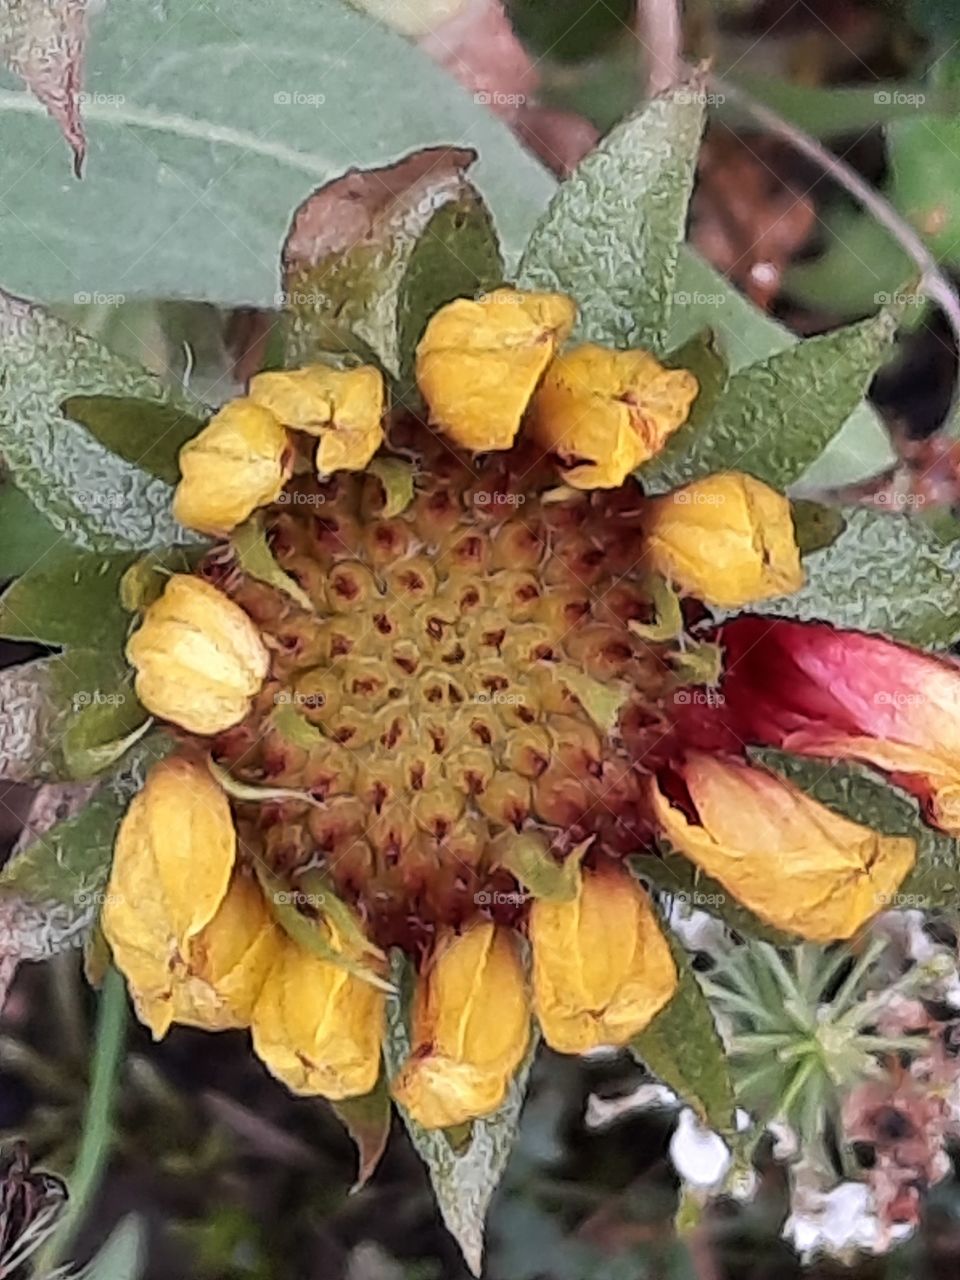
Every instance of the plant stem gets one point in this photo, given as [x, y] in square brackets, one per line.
[97, 1137]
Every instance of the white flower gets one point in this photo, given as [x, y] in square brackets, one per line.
[839, 1222]
[700, 1156]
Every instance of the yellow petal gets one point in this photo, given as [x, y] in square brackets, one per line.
[605, 412]
[471, 1028]
[344, 407]
[479, 362]
[239, 462]
[789, 859]
[198, 656]
[174, 852]
[727, 539]
[192, 938]
[318, 1028]
[222, 970]
[602, 968]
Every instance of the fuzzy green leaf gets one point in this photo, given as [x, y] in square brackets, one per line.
[147, 434]
[887, 573]
[682, 1047]
[98, 500]
[71, 598]
[101, 737]
[55, 712]
[701, 356]
[612, 234]
[64, 870]
[859, 793]
[27, 720]
[775, 417]
[371, 255]
[193, 174]
[26, 535]
[463, 1178]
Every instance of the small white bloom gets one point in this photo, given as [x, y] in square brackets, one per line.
[700, 1156]
[840, 1222]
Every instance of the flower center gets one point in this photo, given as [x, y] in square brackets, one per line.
[459, 681]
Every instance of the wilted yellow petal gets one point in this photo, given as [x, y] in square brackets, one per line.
[213, 979]
[190, 937]
[317, 1027]
[602, 968]
[471, 1028]
[224, 967]
[604, 412]
[788, 858]
[199, 658]
[727, 539]
[479, 362]
[174, 851]
[239, 462]
[344, 407]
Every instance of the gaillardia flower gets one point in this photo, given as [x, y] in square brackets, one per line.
[455, 705]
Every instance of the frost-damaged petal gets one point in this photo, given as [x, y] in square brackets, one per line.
[813, 690]
[478, 363]
[605, 412]
[789, 859]
[343, 407]
[471, 1029]
[602, 968]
